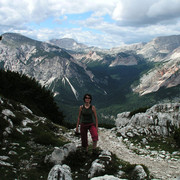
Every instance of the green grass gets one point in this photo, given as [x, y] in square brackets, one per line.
[28, 153]
[44, 134]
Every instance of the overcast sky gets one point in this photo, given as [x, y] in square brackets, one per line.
[101, 23]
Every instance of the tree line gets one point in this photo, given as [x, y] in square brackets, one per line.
[28, 91]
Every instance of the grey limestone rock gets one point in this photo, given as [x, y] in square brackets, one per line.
[59, 172]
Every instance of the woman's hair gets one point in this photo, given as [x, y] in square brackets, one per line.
[87, 95]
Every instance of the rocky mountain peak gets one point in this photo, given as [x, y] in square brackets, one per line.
[16, 39]
[166, 74]
[124, 59]
[67, 43]
[92, 56]
[167, 42]
[159, 47]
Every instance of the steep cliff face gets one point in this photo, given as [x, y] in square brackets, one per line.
[165, 53]
[160, 47]
[165, 74]
[111, 58]
[123, 59]
[88, 57]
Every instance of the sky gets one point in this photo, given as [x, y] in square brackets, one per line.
[99, 23]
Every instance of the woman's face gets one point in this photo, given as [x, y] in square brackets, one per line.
[87, 99]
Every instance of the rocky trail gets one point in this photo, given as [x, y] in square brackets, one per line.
[160, 168]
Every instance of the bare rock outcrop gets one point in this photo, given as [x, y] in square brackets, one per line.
[160, 120]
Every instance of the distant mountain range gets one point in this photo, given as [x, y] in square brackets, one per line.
[70, 69]
[164, 51]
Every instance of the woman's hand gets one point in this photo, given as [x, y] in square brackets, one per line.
[77, 130]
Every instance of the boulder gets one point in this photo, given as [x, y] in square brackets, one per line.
[139, 173]
[59, 172]
[121, 120]
[96, 167]
[59, 154]
[99, 164]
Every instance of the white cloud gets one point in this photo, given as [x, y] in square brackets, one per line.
[117, 14]
[165, 12]
[19, 12]
[132, 20]
[24, 11]
[165, 8]
[145, 12]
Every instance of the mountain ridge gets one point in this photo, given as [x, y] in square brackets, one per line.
[111, 76]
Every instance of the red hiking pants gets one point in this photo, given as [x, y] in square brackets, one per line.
[84, 133]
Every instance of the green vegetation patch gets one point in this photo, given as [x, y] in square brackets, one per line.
[27, 146]
[139, 110]
[20, 88]
[44, 133]
[27, 162]
[177, 136]
[157, 143]
[80, 163]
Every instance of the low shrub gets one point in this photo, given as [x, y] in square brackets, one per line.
[17, 136]
[4, 124]
[17, 120]
[80, 164]
[43, 135]
[177, 136]
[140, 110]
[47, 138]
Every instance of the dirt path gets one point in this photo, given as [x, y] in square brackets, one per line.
[159, 168]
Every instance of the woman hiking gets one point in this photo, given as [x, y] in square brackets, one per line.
[87, 114]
